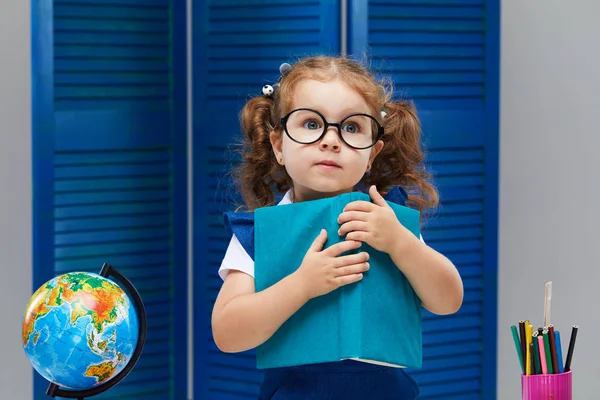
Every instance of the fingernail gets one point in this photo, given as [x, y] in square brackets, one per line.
[368, 256]
[367, 265]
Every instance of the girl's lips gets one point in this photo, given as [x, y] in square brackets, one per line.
[328, 164]
[328, 167]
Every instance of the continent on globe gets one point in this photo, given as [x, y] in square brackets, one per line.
[79, 330]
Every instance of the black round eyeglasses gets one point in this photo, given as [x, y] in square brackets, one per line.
[306, 126]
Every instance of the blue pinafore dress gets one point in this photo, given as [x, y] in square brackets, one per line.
[343, 380]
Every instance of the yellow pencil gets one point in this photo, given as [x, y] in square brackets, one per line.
[528, 334]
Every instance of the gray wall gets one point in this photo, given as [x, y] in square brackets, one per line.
[15, 199]
[549, 183]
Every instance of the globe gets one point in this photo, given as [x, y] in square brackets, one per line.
[80, 329]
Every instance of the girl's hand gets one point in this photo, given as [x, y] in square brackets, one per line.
[322, 271]
[373, 223]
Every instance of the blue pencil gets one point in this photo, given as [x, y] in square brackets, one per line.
[559, 352]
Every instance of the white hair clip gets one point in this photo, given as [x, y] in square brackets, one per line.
[383, 115]
[267, 90]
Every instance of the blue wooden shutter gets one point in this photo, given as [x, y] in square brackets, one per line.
[238, 47]
[444, 56]
[110, 166]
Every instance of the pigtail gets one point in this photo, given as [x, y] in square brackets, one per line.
[401, 161]
[258, 173]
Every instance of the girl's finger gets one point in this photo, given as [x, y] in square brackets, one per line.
[352, 259]
[352, 269]
[319, 242]
[353, 226]
[353, 216]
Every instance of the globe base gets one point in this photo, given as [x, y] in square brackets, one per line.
[54, 390]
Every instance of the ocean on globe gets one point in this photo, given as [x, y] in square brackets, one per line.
[79, 330]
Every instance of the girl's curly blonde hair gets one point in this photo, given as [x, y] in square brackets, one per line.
[400, 162]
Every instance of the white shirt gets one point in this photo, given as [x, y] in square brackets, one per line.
[236, 257]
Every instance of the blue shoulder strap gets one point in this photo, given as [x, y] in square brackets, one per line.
[242, 223]
[397, 195]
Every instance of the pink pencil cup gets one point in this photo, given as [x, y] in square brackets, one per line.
[547, 387]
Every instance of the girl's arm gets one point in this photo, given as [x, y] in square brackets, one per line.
[433, 276]
[243, 319]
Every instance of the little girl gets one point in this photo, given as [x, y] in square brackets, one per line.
[327, 128]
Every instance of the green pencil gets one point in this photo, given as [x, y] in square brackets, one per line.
[536, 353]
[515, 334]
[547, 350]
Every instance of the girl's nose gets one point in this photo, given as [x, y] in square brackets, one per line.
[331, 140]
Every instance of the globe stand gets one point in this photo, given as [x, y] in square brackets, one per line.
[107, 270]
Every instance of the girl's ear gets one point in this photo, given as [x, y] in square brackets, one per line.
[276, 143]
[375, 150]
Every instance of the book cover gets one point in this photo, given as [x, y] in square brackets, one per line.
[375, 320]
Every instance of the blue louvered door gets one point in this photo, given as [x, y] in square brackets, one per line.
[444, 56]
[238, 46]
[110, 166]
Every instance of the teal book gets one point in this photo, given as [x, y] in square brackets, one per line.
[376, 320]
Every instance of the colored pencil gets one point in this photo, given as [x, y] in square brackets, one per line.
[551, 340]
[558, 352]
[515, 335]
[528, 333]
[547, 351]
[543, 363]
[536, 353]
[571, 348]
[531, 359]
[523, 341]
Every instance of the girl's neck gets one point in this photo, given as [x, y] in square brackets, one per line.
[305, 194]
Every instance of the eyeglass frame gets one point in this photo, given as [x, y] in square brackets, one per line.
[338, 125]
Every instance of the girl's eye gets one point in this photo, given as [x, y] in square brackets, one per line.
[312, 125]
[351, 127]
